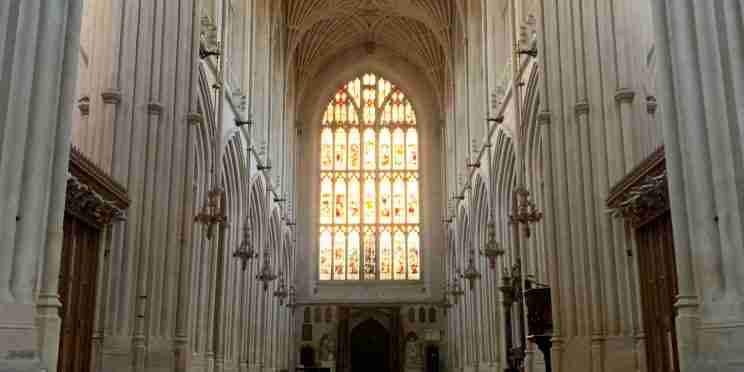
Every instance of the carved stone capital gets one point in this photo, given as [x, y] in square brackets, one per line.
[194, 118]
[544, 117]
[581, 108]
[651, 105]
[624, 96]
[111, 96]
[84, 105]
[155, 108]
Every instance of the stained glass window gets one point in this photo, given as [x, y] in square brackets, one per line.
[399, 255]
[399, 150]
[385, 156]
[326, 150]
[340, 195]
[353, 254]
[386, 252]
[413, 255]
[325, 260]
[339, 255]
[340, 149]
[354, 150]
[326, 201]
[355, 210]
[369, 191]
[386, 201]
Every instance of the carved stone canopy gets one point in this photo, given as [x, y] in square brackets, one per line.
[91, 194]
[643, 194]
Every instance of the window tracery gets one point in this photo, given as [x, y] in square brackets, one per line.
[369, 184]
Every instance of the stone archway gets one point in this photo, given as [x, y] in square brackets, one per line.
[370, 347]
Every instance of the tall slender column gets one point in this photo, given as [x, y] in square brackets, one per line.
[701, 89]
[48, 303]
[22, 20]
[38, 72]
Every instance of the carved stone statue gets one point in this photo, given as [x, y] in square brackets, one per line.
[414, 359]
[327, 348]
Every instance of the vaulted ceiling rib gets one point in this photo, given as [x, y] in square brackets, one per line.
[418, 30]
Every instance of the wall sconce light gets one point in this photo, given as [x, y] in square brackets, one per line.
[245, 251]
[471, 273]
[493, 249]
[532, 52]
[526, 212]
[281, 292]
[292, 301]
[456, 290]
[212, 213]
[239, 123]
[266, 275]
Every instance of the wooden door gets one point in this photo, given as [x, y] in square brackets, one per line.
[658, 278]
[370, 347]
[432, 358]
[77, 291]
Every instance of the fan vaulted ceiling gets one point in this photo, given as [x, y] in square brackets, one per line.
[418, 30]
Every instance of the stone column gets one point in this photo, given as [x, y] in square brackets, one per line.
[141, 82]
[37, 87]
[590, 54]
[701, 92]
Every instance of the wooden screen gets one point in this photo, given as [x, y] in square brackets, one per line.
[658, 278]
[77, 291]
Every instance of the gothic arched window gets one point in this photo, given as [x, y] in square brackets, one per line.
[369, 184]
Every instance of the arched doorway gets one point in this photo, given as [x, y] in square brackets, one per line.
[370, 347]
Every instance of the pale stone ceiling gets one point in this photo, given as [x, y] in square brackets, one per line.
[418, 30]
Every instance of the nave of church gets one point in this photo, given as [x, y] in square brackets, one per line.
[372, 185]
